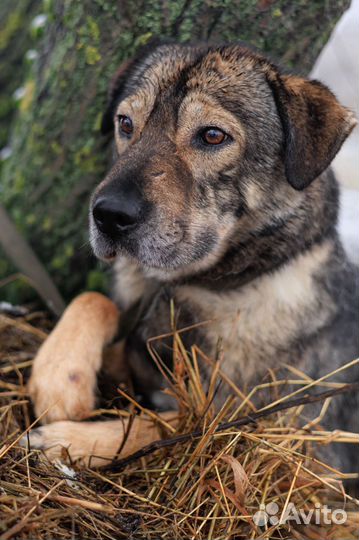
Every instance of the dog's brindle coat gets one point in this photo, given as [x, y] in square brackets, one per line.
[221, 199]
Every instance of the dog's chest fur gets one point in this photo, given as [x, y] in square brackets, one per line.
[256, 325]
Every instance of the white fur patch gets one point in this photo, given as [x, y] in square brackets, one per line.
[130, 283]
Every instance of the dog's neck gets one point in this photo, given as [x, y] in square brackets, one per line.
[273, 246]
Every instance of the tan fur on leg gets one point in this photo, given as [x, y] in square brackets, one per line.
[63, 377]
[95, 443]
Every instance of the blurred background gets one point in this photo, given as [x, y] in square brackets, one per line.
[56, 60]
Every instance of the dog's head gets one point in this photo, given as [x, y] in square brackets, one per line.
[210, 143]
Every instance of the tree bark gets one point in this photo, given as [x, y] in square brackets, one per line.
[15, 41]
[58, 154]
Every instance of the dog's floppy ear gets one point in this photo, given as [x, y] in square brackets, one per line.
[315, 126]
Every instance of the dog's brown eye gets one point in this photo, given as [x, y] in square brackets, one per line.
[213, 135]
[125, 124]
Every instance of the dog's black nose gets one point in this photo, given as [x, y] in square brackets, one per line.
[114, 215]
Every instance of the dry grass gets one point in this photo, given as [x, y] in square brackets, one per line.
[208, 487]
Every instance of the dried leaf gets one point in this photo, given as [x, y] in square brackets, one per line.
[241, 481]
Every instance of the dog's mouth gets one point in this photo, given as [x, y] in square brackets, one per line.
[162, 245]
[151, 247]
[163, 256]
[110, 257]
[107, 256]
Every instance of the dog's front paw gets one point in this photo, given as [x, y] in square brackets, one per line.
[88, 443]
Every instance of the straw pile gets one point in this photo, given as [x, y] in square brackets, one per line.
[206, 487]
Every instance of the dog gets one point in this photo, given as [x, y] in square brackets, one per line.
[221, 199]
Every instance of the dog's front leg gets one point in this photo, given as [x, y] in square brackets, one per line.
[63, 380]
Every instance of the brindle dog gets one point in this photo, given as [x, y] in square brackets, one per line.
[220, 198]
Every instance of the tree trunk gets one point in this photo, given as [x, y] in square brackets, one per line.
[15, 41]
[58, 154]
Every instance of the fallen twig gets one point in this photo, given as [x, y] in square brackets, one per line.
[118, 464]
